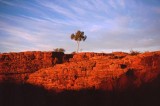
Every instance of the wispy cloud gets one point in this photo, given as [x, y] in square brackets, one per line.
[7, 3]
[122, 3]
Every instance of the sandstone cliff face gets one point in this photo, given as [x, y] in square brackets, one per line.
[58, 71]
[116, 71]
[20, 65]
[29, 61]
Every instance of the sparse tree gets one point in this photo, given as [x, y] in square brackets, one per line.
[78, 36]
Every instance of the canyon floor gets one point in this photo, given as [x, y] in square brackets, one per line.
[82, 79]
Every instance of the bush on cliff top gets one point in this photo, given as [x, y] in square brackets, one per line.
[59, 50]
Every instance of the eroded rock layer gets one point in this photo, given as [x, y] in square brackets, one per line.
[116, 71]
[59, 71]
[17, 66]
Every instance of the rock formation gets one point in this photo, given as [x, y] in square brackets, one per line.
[58, 71]
[17, 66]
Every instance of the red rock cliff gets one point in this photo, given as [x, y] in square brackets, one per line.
[24, 63]
[115, 71]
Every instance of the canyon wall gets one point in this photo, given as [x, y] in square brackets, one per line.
[59, 71]
[17, 66]
[27, 62]
[115, 71]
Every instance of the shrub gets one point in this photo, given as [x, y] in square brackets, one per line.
[74, 52]
[133, 52]
[59, 50]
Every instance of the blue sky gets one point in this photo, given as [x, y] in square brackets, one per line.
[110, 25]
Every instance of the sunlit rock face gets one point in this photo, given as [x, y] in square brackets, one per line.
[116, 71]
[58, 71]
[17, 66]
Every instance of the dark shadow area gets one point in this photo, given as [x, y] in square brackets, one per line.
[123, 66]
[12, 94]
[60, 57]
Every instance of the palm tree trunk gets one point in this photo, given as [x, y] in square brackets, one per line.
[77, 46]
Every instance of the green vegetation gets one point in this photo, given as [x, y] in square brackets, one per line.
[59, 50]
[78, 36]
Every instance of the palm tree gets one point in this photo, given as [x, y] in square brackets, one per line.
[78, 36]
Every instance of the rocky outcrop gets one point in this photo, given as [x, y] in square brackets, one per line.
[20, 65]
[59, 71]
[116, 71]
[90, 79]
[26, 62]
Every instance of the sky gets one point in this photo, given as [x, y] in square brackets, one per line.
[110, 25]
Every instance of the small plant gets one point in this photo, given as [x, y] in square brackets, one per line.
[74, 52]
[133, 52]
[59, 50]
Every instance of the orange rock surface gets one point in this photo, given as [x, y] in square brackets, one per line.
[116, 71]
[17, 66]
[58, 71]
